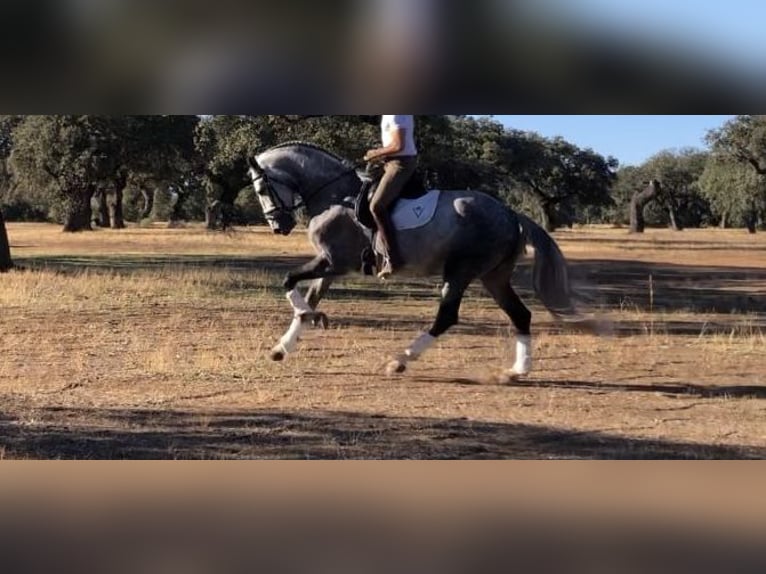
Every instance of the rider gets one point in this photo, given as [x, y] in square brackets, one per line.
[400, 157]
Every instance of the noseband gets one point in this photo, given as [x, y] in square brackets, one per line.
[276, 199]
[279, 204]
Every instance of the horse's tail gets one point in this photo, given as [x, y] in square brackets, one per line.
[550, 278]
[550, 275]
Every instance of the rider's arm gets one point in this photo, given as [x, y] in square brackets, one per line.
[396, 145]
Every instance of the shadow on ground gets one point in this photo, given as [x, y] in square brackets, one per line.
[672, 390]
[672, 287]
[736, 295]
[171, 434]
[610, 283]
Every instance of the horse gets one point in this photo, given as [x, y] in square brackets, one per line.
[469, 235]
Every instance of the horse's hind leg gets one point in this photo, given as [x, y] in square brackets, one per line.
[449, 308]
[498, 283]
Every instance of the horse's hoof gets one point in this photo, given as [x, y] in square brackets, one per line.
[395, 367]
[277, 355]
[510, 376]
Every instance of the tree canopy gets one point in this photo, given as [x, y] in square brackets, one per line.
[734, 190]
[742, 139]
[59, 166]
[65, 161]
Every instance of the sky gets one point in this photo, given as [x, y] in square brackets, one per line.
[632, 139]
[732, 31]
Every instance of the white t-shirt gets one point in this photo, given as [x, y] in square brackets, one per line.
[388, 124]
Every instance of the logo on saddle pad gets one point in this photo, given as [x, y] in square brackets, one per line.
[414, 213]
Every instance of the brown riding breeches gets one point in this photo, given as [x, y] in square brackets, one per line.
[396, 172]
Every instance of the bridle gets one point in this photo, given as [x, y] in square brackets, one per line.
[280, 206]
[276, 200]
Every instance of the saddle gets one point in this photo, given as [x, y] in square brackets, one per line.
[416, 187]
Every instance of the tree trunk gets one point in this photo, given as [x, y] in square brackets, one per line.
[751, 220]
[6, 262]
[637, 204]
[114, 205]
[675, 221]
[674, 224]
[176, 209]
[227, 207]
[221, 194]
[212, 215]
[213, 205]
[79, 212]
[723, 222]
[148, 195]
[103, 210]
[114, 200]
[548, 214]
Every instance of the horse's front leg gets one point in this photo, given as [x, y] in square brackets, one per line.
[317, 290]
[304, 312]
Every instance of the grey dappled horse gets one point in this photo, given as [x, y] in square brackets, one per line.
[471, 236]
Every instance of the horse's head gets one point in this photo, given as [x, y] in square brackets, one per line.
[277, 199]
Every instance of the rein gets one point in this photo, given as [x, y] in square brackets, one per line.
[325, 185]
[313, 192]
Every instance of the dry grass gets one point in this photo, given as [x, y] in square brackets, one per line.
[152, 343]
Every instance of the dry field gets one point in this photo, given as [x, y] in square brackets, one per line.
[152, 343]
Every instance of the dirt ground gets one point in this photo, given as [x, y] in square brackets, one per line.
[152, 343]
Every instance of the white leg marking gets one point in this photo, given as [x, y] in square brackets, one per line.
[419, 346]
[289, 340]
[523, 355]
[298, 302]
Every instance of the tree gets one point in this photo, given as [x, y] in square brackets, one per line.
[154, 153]
[73, 159]
[560, 176]
[735, 191]
[66, 157]
[6, 262]
[160, 156]
[743, 139]
[639, 201]
[7, 123]
[459, 152]
[224, 143]
[629, 180]
[678, 194]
